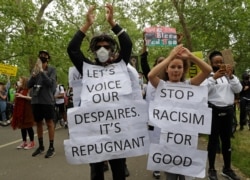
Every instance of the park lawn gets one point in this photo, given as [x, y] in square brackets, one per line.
[241, 151]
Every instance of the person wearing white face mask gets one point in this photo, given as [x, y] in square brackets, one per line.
[23, 118]
[103, 46]
[106, 51]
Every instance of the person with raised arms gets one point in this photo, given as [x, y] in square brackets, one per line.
[106, 52]
[175, 66]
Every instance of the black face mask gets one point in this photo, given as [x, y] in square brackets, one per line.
[215, 68]
[43, 59]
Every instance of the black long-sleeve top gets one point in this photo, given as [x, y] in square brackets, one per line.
[144, 64]
[245, 93]
[77, 57]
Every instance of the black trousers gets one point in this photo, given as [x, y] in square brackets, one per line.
[117, 167]
[221, 128]
[243, 104]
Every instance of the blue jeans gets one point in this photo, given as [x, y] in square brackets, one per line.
[3, 105]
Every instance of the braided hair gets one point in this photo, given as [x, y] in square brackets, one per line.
[104, 37]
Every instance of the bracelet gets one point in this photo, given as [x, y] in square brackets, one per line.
[118, 34]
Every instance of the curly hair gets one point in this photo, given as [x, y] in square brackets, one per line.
[104, 37]
[213, 54]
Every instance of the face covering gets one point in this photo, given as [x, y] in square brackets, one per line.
[102, 54]
[215, 68]
[19, 83]
[43, 59]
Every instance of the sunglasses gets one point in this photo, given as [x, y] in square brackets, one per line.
[105, 46]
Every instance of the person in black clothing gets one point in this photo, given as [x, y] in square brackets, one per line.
[106, 51]
[244, 95]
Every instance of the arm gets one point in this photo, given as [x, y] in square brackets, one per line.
[235, 84]
[74, 51]
[144, 59]
[19, 95]
[205, 68]
[124, 39]
[48, 78]
[125, 44]
[144, 64]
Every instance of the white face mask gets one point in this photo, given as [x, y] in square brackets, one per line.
[19, 83]
[102, 54]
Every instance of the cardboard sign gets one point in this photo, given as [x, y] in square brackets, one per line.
[228, 56]
[8, 69]
[160, 36]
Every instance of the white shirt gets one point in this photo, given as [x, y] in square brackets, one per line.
[59, 90]
[221, 91]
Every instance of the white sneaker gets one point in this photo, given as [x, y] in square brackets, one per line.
[22, 145]
[3, 123]
[31, 145]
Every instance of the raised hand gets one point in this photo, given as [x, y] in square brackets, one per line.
[184, 53]
[109, 14]
[176, 51]
[90, 17]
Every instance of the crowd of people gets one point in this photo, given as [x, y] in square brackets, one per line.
[35, 97]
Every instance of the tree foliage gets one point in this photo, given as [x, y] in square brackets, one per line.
[28, 26]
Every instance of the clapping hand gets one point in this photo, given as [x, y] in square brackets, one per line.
[184, 53]
[38, 67]
[90, 17]
[109, 12]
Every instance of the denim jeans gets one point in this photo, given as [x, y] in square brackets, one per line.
[3, 105]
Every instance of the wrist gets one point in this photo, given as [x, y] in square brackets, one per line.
[231, 77]
[112, 23]
[85, 27]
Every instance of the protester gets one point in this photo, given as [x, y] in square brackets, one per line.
[244, 95]
[175, 67]
[11, 93]
[22, 114]
[222, 87]
[69, 95]
[43, 84]
[3, 102]
[104, 47]
[60, 103]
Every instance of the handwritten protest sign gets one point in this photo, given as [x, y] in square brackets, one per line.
[109, 123]
[75, 81]
[8, 69]
[160, 36]
[107, 89]
[177, 159]
[181, 111]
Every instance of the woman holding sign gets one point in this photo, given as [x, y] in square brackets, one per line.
[175, 67]
[106, 51]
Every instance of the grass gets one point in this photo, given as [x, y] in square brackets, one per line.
[241, 151]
